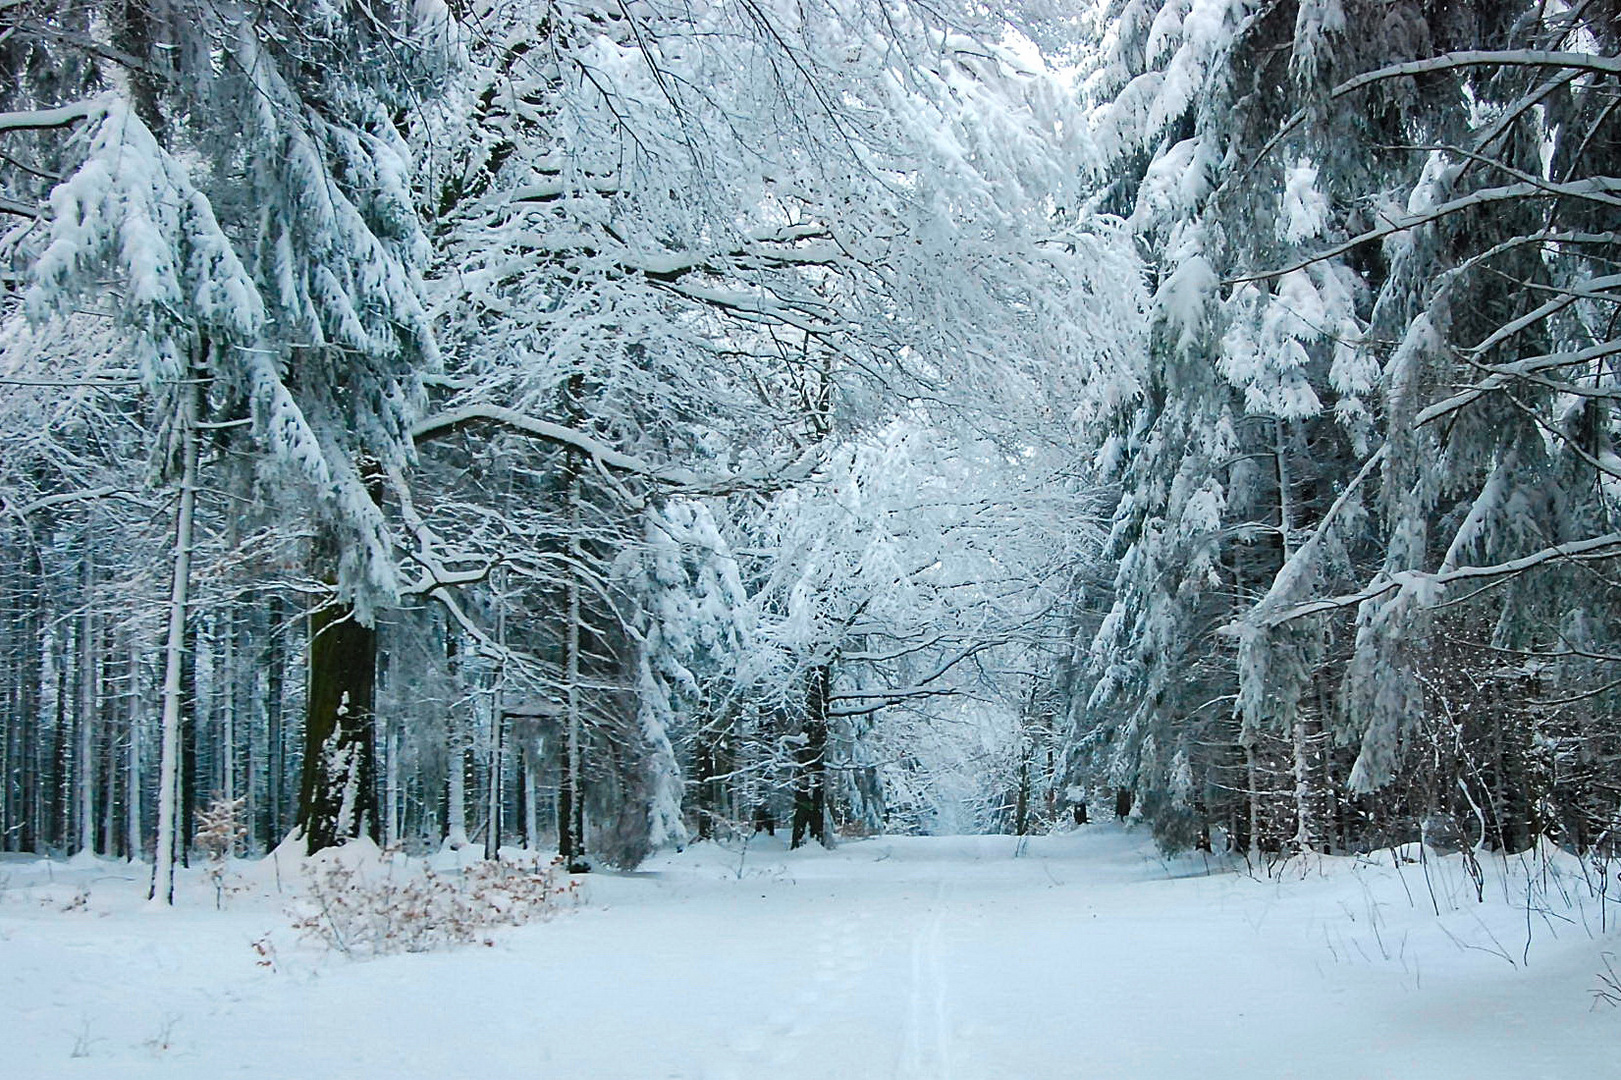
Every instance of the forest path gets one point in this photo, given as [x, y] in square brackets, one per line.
[1076, 957]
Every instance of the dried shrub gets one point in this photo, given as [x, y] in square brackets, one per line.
[219, 830]
[362, 909]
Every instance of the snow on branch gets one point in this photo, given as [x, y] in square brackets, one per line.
[1606, 546]
[45, 502]
[1574, 61]
[1502, 375]
[1601, 189]
[47, 119]
[876, 700]
[602, 454]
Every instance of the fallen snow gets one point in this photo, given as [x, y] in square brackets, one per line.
[961, 958]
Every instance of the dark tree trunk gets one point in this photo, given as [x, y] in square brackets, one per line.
[711, 763]
[275, 749]
[61, 821]
[337, 796]
[1021, 802]
[568, 845]
[810, 781]
[1122, 803]
[21, 832]
[571, 790]
[1238, 829]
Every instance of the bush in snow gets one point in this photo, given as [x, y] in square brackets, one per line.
[371, 907]
[219, 830]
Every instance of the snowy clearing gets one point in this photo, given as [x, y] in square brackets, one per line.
[1082, 955]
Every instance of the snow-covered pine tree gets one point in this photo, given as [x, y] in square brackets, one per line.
[239, 170]
[1358, 402]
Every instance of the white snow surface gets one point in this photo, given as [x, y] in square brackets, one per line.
[1081, 955]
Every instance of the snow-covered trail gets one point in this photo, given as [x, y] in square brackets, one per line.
[965, 958]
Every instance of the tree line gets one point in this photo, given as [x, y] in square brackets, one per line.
[602, 425]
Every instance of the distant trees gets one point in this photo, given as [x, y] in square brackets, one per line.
[688, 257]
[604, 424]
[480, 370]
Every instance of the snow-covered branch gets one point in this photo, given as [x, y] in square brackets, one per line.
[1605, 190]
[1589, 63]
[1597, 548]
[47, 119]
[670, 477]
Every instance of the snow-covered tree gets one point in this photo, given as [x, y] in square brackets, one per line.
[238, 173]
[1374, 238]
[689, 252]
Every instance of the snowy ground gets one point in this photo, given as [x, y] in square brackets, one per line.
[1080, 956]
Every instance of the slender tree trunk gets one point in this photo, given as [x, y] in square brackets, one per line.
[456, 789]
[248, 700]
[162, 888]
[571, 794]
[107, 832]
[191, 708]
[455, 749]
[85, 770]
[1021, 802]
[1252, 786]
[1311, 795]
[225, 692]
[32, 796]
[135, 833]
[1309, 805]
[531, 809]
[706, 769]
[391, 788]
[492, 831]
[275, 740]
[62, 755]
[10, 671]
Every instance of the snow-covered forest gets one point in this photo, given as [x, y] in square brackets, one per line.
[600, 427]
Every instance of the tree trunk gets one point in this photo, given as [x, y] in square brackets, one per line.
[570, 792]
[84, 754]
[191, 705]
[531, 816]
[498, 719]
[392, 793]
[1021, 802]
[275, 745]
[162, 888]
[456, 727]
[337, 795]
[1122, 803]
[1314, 798]
[492, 828]
[810, 781]
[137, 719]
[710, 764]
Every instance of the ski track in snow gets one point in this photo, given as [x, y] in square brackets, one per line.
[927, 1047]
